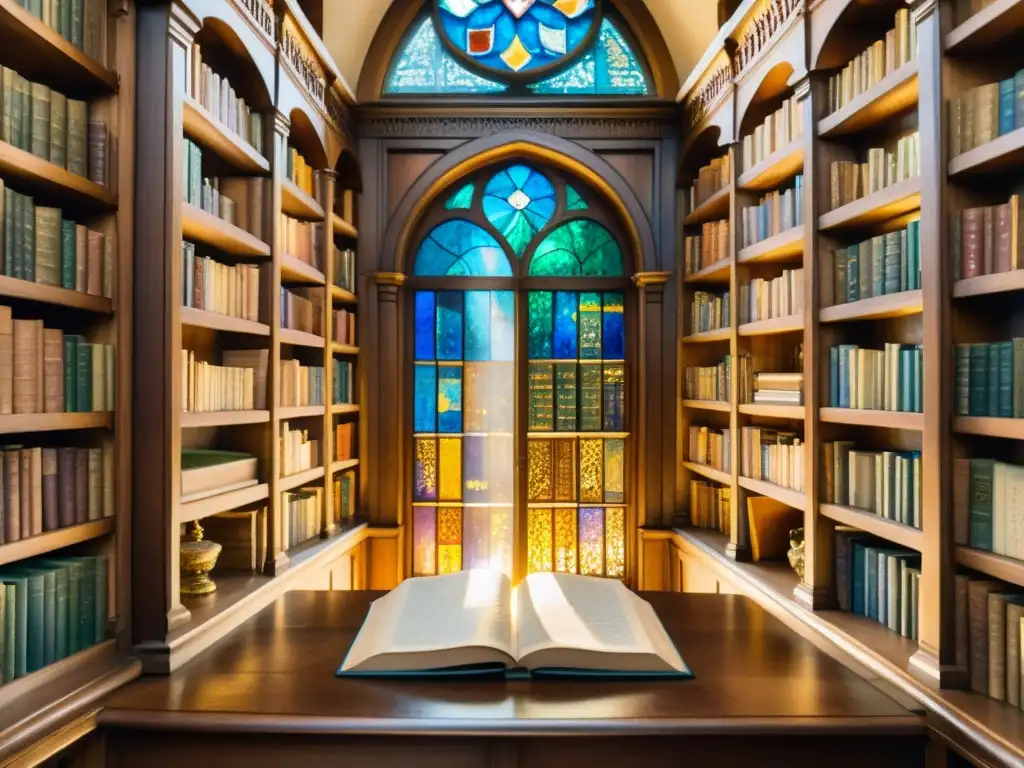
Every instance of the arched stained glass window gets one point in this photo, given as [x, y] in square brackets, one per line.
[461, 248]
[608, 67]
[579, 248]
[462, 199]
[519, 202]
[424, 66]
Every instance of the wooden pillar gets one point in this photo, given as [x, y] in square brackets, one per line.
[328, 180]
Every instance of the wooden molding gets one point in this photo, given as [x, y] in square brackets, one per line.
[389, 278]
[645, 279]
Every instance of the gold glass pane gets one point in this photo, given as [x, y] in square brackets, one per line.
[539, 474]
[565, 540]
[449, 540]
[538, 536]
[591, 471]
[614, 479]
[450, 479]
[565, 470]
[591, 534]
[426, 469]
[615, 542]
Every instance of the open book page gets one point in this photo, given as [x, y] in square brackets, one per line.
[436, 622]
[589, 623]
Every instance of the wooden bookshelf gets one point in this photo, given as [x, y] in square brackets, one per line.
[893, 94]
[1001, 282]
[341, 466]
[795, 499]
[43, 179]
[706, 337]
[339, 409]
[766, 410]
[201, 318]
[707, 405]
[210, 133]
[52, 541]
[718, 272]
[997, 566]
[222, 502]
[776, 169]
[772, 326]
[784, 246]
[223, 419]
[344, 349]
[710, 473]
[715, 207]
[13, 288]
[876, 308]
[1000, 155]
[299, 479]
[342, 297]
[890, 530]
[300, 338]
[298, 203]
[295, 271]
[203, 227]
[988, 426]
[342, 227]
[868, 418]
[300, 412]
[989, 25]
[895, 200]
[54, 422]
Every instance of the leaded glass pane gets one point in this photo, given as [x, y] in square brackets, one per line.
[610, 67]
[426, 469]
[565, 397]
[578, 248]
[541, 324]
[424, 534]
[614, 470]
[573, 200]
[565, 325]
[425, 325]
[614, 397]
[487, 538]
[424, 66]
[503, 325]
[539, 470]
[538, 536]
[591, 471]
[449, 325]
[590, 397]
[590, 326]
[425, 401]
[449, 481]
[565, 540]
[461, 200]
[565, 470]
[449, 540]
[519, 201]
[615, 542]
[449, 399]
[614, 327]
[460, 248]
[541, 397]
[478, 325]
[592, 542]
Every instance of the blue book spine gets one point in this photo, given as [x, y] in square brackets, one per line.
[833, 377]
[883, 587]
[1006, 380]
[1018, 99]
[844, 375]
[1007, 91]
[858, 580]
[853, 274]
[992, 399]
[982, 479]
[978, 380]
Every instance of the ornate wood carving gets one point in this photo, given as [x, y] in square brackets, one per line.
[698, 107]
[304, 63]
[761, 28]
[474, 127]
[263, 14]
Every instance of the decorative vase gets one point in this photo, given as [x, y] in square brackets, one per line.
[198, 558]
[796, 551]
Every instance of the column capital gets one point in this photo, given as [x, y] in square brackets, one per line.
[183, 24]
[389, 278]
[651, 279]
[329, 173]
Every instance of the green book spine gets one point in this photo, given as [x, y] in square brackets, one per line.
[1018, 378]
[78, 116]
[58, 129]
[28, 243]
[26, 115]
[64, 7]
[892, 263]
[84, 396]
[7, 84]
[67, 254]
[75, 643]
[61, 597]
[992, 379]
[9, 627]
[36, 636]
[77, 20]
[18, 236]
[196, 170]
[48, 246]
[71, 372]
[914, 247]
[100, 599]
[541, 393]
[87, 606]
[865, 264]
[840, 261]
[877, 266]
[978, 382]
[9, 228]
[852, 274]
[982, 472]
[16, 661]
[49, 617]
[901, 238]
[1005, 405]
[40, 144]
[17, 106]
[962, 372]
[590, 398]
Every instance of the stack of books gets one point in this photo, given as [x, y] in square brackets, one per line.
[986, 112]
[710, 382]
[707, 248]
[303, 512]
[711, 178]
[301, 240]
[709, 312]
[709, 506]
[301, 385]
[710, 447]
[774, 456]
[987, 240]
[778, 388]
[81, 22]
[227, 290]
[343, 491]
[887, 483]
[986, 382]
[850, 180]
[782, 296]
[780, 129]
[988, 508]
[878, 60]
[299, 451]
[883, 265]
[207, 388]
[878, 580]
[206, 473]
[344, 326]
[215, 94]
[255, 360]
[344, 383]
[889, 379]
[774, 213]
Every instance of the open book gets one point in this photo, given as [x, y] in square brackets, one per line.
[475, 622]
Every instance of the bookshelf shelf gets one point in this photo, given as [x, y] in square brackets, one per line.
[342, 227]
[773, 326]
[299, 412]
[989, 426]
[707, 405]
[210, 133]
[301, 338]
[297, 480]
[341, 296]
[795, 499]
[893, 94]
[1000, 155]
[706, 337]
[895, 200]
[715, 475]
[712, 273]
[343, 408]
[222, 502]
[768, 410]
[54, 422]
[998, 567]
[879, 307]
[999, 282]
[865, 418]
[296, 203]
[776, 169]
[991, 24]
[14, 288]
[223, 419]
[44, 543]
[715, 207]
[295, 270]
[201, 318]
[785, 246]
[51, 182]
[341, 466]
[43, 53]
[197, 224]
[344, 349]
[869, 522]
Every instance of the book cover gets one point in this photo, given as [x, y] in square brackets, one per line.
[981, 524]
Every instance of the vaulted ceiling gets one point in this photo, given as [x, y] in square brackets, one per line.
[349, 25]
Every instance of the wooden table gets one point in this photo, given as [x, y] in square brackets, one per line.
[267, 696]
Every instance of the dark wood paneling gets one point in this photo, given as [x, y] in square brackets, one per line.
[403, 168]
[637, 168]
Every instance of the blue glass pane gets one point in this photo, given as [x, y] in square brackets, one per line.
[581, 247]
[478, 325]
[424, 325]
[424, 66]
[516, 35]
[541, 320]
[425, 399]
[614, 327]
[449, 325]
[565, 325]
[610, 67]
[519, 201]
[449, 399]
[460, 248]
[503, 325]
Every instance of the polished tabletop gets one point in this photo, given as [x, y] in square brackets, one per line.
[275, 674]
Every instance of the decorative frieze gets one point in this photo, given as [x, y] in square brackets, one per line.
[473, 127]
[701, 102]
[305, 65]
[761, 28]
[336, 109]
[263, 14]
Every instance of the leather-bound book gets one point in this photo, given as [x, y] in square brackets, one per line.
[25, 488]
[12, 495]
[97, 152]
[58, 129]
[108, 267]
[6, 360]
[960, 620]
[53, 370]
[36, 471]
[988, 240]
[972, 248]
[84, 377]
[95, 483]
[94, 264]
[78, 117]
[68, 249]
[81, 246]
[51, 493]
[25, 385]
[997, 629]
[40, 142]
[109, 483]
[82, 485]
[28, 239]
[99, 376]
[66, 486]
[977, 598]
[1002, 251]
[47, 252]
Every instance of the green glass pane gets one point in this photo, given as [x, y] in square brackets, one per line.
[541, 324]
[565, 394]
[578, 248]
[462, 199]
[590, 326]
[542, 396]
[573, 201]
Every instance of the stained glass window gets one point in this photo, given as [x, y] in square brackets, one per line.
[424, 66]
[610, 67]
[578, 248]
[462, 199]
[519, 201]
[461, 248]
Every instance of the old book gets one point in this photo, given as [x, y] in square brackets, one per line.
[28, 239]
[95, 483]
[78, 117]
[988, 240]
[96, 134]
[21, 114]
[66, 487]
[40, 106]
[51, 494]
[257, 360]
[68, 249]
[53, 370]
[997, 604]
[972, 247]
[1014, 614]
[204, 472]
[83, 386]
[81, 485]
[6, 361]
[986, 113]
[99, 376]
[243, 536]
[109, 482]
[978, 592]
[12, 495]
[31, 493]
[109, 374]
[770, 524]
[7, 103]
[960, 620]
[94, 263]
[58, 129]
[47, 251]
[81, 250]
[108, 266]
[71, 372]
[25, 387]
[961, 501]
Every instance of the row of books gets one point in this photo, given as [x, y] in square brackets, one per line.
[774, 213]
[887, 483]
[780, 129]
[207, 388]
[302, 518]
[782, 296]
[344, 269]
[207, 284]
[873, 64]
[39, 245]
[986, 112]
[51, 608]
[344, 326]
[44, 370]
[711, 178]
[988, 506]
[989, 619]
[709, 506]
[709, 312]
[344, 489]
[850, 180]
[301, 239]
[215, 94]
[46, 489]
[345, 437]
[878, 580]
[202, 191]
[51, 126]
[882, 265]
[889, 379]
[299, 451]
[80, 22]
[773, 456]
[592, 401]
[302, 309]
[710, 382]
[301, 385]
[987, 240]
[707, 248]
[770, 388]
[986, 379]
[301, 173]
[709, 446]
[257, 361]
[344, 382]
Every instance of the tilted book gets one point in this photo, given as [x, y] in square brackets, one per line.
[476, 623]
